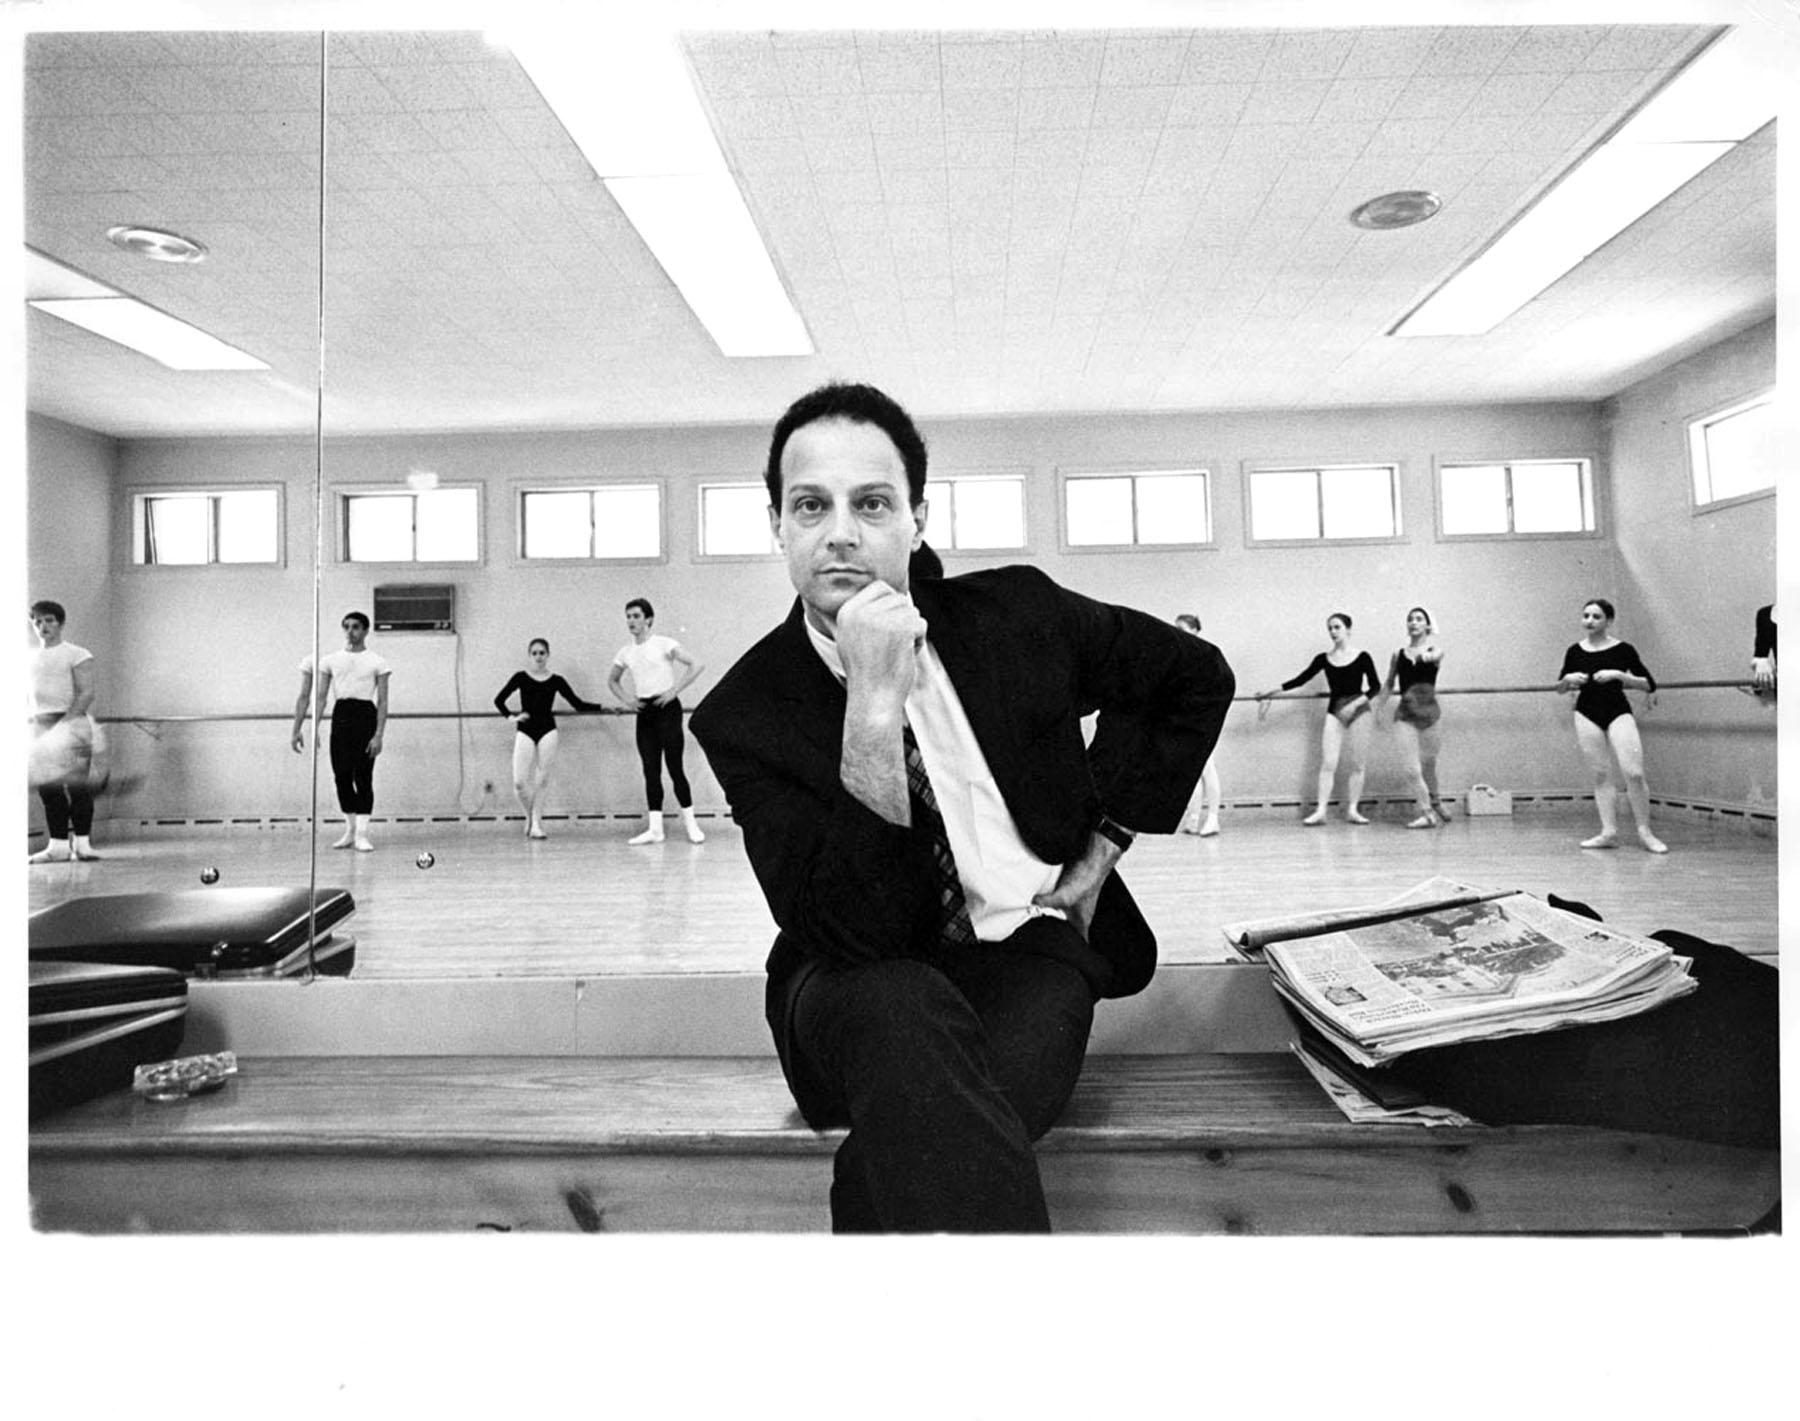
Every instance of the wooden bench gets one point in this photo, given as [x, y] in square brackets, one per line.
[1167, 1144]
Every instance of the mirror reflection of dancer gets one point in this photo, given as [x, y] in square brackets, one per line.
[1762, 657]
[652, 661]
[1599, 669]
[1350, 677]
[534, 747]
[1413, 672]
[62, 684]
[360, 678]
[1202, 817]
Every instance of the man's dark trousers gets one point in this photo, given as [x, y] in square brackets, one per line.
[945, 1072]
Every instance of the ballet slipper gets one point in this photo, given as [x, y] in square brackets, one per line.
[535, 831]
[82, 849]
[347, 839]
[1210, 827]
[1651, 842]
[1427, 820]
[1315, 818]
[653, 830]
[1605, 839]
[53, 852]
[1356, 816]
[693, 830]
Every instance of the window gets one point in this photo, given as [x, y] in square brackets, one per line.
[195, 526]
[976, 511]
[1732, 451]
[1138, 508]
[1325, 502]
[734, 521]
[436, 525]
[608, 521]
[1528, 497]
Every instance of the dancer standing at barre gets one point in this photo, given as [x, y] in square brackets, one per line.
[1350, 676]
[1413, 672]
[534, 747]
[1202, 817]
[652, 661]
[61, 682]
[1599, 669]
[360, 678]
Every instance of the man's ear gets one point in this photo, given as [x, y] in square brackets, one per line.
[921, 512]
[775, 524]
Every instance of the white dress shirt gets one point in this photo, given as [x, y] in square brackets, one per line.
[1000, 875]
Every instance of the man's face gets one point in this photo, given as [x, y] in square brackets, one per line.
[845, 518]
[356, 632]
[47, 627]
[636, 622]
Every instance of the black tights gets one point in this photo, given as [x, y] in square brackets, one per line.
[659, 738]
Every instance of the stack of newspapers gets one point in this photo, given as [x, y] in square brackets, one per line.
[1447, 962]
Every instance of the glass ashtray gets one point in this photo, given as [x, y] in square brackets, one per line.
[184, 1076]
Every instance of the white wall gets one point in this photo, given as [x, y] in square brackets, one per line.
[1691, 580]
[1505, 607]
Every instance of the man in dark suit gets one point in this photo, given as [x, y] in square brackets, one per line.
[935, 839]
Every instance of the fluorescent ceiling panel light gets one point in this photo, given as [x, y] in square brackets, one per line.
[1611, 189]
[149, 332]
[631, 108]
[1726, 94]
[702, 234]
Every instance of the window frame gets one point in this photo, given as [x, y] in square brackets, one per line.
[136, 542]
[1590, 465]
[1716, 414]
[1396, 468]
[341, 495]
[1019, 475]
[1067, 474]
[703, 483]
[521, 487]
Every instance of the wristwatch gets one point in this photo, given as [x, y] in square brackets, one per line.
[1118, 833]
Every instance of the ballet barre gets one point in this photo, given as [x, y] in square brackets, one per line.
[286, 717]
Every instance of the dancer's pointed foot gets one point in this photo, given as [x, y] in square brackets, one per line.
[1315, 818]
[1355, 815]
[1605, 839]
[1210, 827]
[347, 839]
[1427, 820]
[1651, 842]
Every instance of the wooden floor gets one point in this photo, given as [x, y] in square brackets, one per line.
[583, 903]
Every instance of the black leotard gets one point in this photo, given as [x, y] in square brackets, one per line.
[537, 700]
[1603, 702]
[1418, 691]
[1345, 682]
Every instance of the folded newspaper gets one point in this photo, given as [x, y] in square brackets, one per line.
[1447, 962]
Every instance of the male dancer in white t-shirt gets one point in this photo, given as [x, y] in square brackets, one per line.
[360, 678]
[62, 688]
[652, 661]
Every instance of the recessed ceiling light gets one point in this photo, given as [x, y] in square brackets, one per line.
[158, 246]
[1396, 209]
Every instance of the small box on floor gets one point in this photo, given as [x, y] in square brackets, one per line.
[1485, 799]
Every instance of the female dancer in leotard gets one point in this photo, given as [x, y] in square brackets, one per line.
[534, 747]
[1413, 672]
[1350, 676]
[1203, 814]
[1598, 669]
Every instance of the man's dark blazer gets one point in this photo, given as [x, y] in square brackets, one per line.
[1029, 660]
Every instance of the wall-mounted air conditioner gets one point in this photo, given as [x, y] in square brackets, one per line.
[416, 607]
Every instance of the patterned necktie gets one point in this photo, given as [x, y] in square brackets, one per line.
[954, 927]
